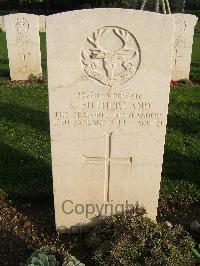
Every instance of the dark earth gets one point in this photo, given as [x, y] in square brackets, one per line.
[29, 224]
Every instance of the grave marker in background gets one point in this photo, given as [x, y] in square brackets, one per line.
[109, 74]
[184, 31]
[42, 23]
[23, 42]
[2, 25]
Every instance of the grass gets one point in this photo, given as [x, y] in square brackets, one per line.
[25, 142]
[181, 166]
[4, 64]
[195, 67]
[25, 139]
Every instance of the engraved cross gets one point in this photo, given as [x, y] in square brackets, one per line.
[107, 160]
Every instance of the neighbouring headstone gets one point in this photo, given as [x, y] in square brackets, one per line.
[109, 76]
[2, 25]
[42, 23]
[184, 31]
[23, 42]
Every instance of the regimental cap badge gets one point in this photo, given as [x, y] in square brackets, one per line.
[22, 25]
[111, 56]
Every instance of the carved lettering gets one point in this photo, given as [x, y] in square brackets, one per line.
[120, 113]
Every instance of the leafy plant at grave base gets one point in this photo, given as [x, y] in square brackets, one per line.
[72, 261]
[133, 239]
[44, 257]
[196, 251]
[33, 78]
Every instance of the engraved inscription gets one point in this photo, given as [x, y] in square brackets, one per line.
[115, 110]
[107, 160]
[181, 24]
[22, 27]
[181, 27]
[111, 56]
[61, 119]
[180, 44]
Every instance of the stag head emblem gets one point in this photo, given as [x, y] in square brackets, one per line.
[118, 65]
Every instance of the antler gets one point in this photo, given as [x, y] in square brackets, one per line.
[96, 36]
[98, 52]
[124, 36]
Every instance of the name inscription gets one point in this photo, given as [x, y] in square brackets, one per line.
[104, 109]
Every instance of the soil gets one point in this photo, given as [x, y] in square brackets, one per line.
[29, 224]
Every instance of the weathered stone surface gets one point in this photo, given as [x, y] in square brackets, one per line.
[42, 23]
[184, 31]
[109, 73]
[23, 42]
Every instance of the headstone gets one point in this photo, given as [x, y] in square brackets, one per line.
[2, 25]
[23, 42]
[42, 23]
[109, 80]
[184, 31]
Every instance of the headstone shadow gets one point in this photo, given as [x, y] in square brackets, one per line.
[186, 125]
[23, 175]
[177, 166]
[4, 69]
[15, 113]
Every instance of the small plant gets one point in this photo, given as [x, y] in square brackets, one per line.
[33, 78]
[72, 261]
[196, 251]
[42, 257]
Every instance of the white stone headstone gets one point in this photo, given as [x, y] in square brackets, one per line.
[184, 31]
[2, 25]
[42, 23]
[109, 76]
[23, 42]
